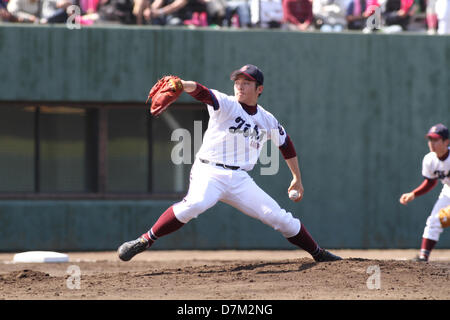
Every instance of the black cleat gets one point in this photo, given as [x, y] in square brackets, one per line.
[419, 259]
[325, 255]
[131, 248]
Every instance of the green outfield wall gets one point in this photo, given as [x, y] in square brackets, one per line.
[357, 107]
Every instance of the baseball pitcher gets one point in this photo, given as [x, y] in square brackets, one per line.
[237, 130]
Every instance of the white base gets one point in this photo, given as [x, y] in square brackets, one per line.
[40, 257]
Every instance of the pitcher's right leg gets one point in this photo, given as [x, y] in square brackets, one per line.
[203, 194]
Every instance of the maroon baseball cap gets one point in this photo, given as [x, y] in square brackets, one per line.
[438, 131]
[251, 72]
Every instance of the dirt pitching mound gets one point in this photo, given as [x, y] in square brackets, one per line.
[23, 275]
[287, 279]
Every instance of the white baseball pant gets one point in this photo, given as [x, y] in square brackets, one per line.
[433, 228]
[210, 184]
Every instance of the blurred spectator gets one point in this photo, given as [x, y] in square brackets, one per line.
[329, 15]
[266, 13]
[88, 6]
[101, 11]
[398, 12]
[237, 14]
[198, 19]
[24, 10]
[172, 12]
[116, 11]
[431, 17]
[443, 15]
[55, 11]
[5, 15]
[139, 7]
[358, 11]
[298, 15]
[89, 11]
[216, 10]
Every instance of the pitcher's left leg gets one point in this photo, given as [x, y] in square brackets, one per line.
[250, 199]
[255, 202]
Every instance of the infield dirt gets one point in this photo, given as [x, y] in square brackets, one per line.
[230, 275]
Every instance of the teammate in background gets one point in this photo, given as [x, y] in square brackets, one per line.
[219, 172]
[435, 165]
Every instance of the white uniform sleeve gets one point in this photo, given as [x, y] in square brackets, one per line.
[277, 133]
[225, 104]
[427, 167]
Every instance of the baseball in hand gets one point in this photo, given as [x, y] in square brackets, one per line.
[294, 195]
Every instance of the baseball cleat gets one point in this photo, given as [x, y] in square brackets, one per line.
[419, 259]
[325, 255]
[131, 248]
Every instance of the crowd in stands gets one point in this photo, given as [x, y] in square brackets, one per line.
[430, 16]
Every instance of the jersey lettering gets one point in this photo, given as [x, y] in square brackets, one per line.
[246, 130]
[241, 123]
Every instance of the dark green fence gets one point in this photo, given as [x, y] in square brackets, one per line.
[357, 107]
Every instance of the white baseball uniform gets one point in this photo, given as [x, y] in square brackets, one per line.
[433, 168]
[234, 138]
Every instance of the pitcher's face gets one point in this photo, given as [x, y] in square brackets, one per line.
[247, 91]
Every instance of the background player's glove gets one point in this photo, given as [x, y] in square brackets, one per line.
[444, 217]
[164, 93]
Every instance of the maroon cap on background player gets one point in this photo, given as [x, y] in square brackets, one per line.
[438, 131]
[251, 72]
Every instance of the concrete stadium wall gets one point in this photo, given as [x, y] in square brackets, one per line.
[356, 106]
